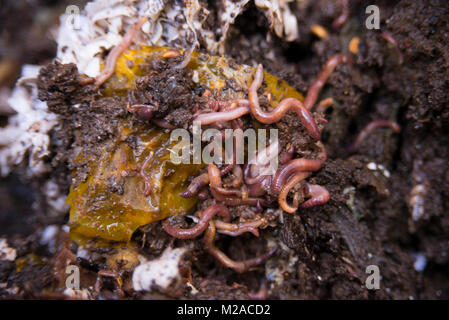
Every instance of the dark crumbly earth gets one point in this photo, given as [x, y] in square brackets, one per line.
[368, 220]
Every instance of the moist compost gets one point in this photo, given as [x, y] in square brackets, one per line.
[325, 249]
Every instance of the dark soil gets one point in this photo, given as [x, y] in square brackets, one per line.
[369, 218]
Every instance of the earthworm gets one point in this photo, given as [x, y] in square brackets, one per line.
[196, 185]
[212, 117]
[343, 17]
[266, 155]
[228, 196]
[239, 200]
[111, 60]
[234, 202]
[202, 224]
[214, 175]
[285, 105]
[238, 176]
[260, 188]
[228, 192]
[389, 38]
[226, 105]
[234, 230]
[370, 127]
[238, 266]
[228, 168]
[324, 104]
[286, 189]
[143, 111]
[238, 193]
[260, 162]
[319, 195]
[317, 85]
[144, 176]
[288, 155]
[248, 174]
[294, 166]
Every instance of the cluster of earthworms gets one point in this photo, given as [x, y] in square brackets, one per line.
[251, 182]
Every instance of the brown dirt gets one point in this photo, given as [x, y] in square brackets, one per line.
[369, 217]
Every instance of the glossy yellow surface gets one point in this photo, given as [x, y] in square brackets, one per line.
[212, 72]
[98, 212]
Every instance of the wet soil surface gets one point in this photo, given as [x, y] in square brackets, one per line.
[389, 198]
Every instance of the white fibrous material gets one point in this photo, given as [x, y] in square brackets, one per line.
[83, 37]
[275, 271]
[6, 253]
[83, 294]
[282, 20]
[54, 197]
[27, 131]
[161, 272]
[101, 25]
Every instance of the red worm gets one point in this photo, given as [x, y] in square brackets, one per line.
[298, 165]
[318, 195]
[212, 117]
[214, 175]
[144, 176]
[285, 105]
[111, 60]
[226, 105]
[370, 127]
[294, 166]
[260, 188]
[324, 104]
[195, 186]
[202, 224]
[235, 230]
[253, 176]
[238, 176]
[317, 85]
[234, 202]
[286, 189]
[343, 17]
[260, 162]
[238, 266]
[228, 192]
[228, 168]
[143, 111]
[288, 155]
[230, 197]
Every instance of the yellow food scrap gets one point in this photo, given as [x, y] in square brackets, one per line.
[111, 204]
[319, 31]
[354, 45]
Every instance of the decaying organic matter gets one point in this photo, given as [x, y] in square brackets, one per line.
[362, 179]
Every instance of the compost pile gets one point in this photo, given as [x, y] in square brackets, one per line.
[373, 190]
